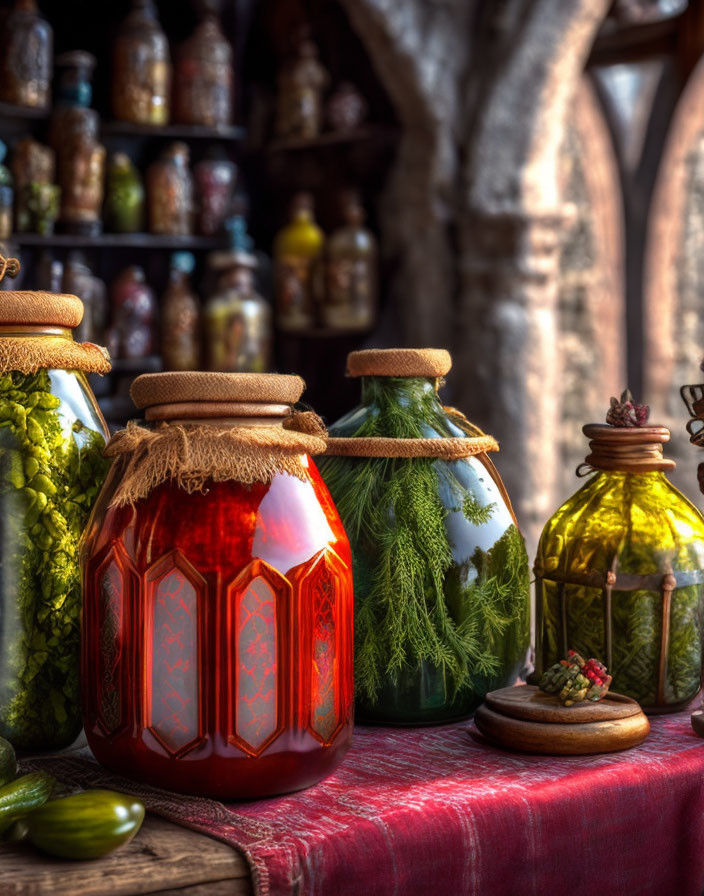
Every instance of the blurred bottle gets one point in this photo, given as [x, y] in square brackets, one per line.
[351, 271]
[237, 318]
[298, 249]
[180, 317]
[141, 79]
[124, 200]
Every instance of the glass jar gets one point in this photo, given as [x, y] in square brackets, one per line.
[299, 102]
[124, 196]
[298, 250]
[7, 196]
[215, 179]
[620, 572]
[217, 637]
[52, 438]
[170, 192]
[180, 316]
[72, 114]
[82, 180]
[237, 319]
[134, 314]
[440, 568]
[141, 81]
[203, 78]
[26, 57]
[351, 271]
[79, 280]
[36, 196]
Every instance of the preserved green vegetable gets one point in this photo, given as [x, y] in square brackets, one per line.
[8, 762]
[440, 568]
[51, 468]
[84, 825]
[20, 796]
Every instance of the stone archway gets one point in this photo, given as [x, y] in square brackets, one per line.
[474, 212]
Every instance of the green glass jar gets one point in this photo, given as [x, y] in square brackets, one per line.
[52, 437]
[441, 576]
[620, 572]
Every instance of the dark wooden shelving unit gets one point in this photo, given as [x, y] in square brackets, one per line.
[185, 132]
[270, 171]
[150, 241]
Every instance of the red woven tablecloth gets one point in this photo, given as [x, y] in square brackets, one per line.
[431, 811]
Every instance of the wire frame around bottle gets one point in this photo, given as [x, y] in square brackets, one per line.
[609, 582]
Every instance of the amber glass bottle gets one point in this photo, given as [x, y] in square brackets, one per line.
[620, 572]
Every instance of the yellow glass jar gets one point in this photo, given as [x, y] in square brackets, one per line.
[620, 572]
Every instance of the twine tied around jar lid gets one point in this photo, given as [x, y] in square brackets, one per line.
[410, 362]
[23, 314]
[626, 443]
[206, 440]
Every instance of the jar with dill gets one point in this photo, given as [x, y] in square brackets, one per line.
[620, 567]
[441, 579]
[52, 437]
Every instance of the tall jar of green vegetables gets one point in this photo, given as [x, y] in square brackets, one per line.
[441, 580]
[620, 567]
[51, 468]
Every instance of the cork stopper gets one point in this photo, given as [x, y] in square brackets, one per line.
[429, 362]
[152, 389]
[40, 308]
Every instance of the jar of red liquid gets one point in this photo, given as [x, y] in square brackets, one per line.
[217, 626]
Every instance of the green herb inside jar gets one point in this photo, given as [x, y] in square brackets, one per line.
[51, 469]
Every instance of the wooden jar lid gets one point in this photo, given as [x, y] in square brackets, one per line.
[527, 719]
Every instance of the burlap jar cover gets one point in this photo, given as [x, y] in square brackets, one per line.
[34, 331]
[213, 427]
[398, 362]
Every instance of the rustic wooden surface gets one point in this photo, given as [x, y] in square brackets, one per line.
[528, 721]
[163, 858]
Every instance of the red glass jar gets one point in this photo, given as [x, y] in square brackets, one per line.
[217, 629]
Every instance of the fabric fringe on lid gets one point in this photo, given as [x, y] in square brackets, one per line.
[191, 455]
[28, 354]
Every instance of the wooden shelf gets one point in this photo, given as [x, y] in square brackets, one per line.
[323, 333]
[120, 241]
[369, 132]
[172, 131]
[10, 111]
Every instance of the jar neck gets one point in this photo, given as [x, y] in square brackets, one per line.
[411, 392]
[32, 330]
[223, 414]
[632, 450]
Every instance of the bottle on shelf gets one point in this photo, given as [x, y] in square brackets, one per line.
[26, 57]
[134, 314]
[7, 196]
[141, 82]
[180, 317]
[298, 249]
[351, 273]
[50, 273]
[237, 318]
[300, 91]
[36, 195]
[346, 109]
[170, 192]
[80, 155]
[79, 280]
[203, 77]
[215, 177]
[124, 196]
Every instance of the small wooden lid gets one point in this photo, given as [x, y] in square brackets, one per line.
[430, 362]
[151, 389]
[40, 308]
